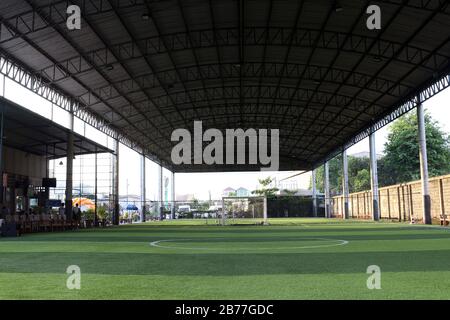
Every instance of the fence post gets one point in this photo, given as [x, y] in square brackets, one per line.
[388, 203]
[404, 203]
[441, 197]
[411, 206]
[357, 204]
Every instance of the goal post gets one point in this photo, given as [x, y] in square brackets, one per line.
[244, 210]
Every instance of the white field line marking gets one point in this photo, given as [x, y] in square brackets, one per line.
[340, 243]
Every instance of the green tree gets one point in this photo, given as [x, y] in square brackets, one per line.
[358, 175]
[401, 161]
[335, 171]
[102, 212]
[264, 189]
[289, 193]
[195, 203]
[386, 174]
[361, 181]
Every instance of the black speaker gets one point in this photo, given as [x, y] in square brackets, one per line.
[9, 230]
[49, 182]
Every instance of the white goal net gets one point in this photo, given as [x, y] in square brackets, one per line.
[243, 210]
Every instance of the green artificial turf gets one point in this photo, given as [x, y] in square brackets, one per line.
[290, 259]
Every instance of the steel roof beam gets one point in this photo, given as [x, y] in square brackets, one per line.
[28, 21]
[219, 59]
[47, 56]
[291, 41]
[328, 40]
[403, 107]
[72, 44]
[253, 70]
[251, 91]
[293, 109]
[240, 14]
[338, 52]
[194, 52]
[146, 59]
[263, 63]
[168, 51]
[386, 64]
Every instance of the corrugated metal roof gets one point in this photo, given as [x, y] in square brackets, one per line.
[316, 73]
[32, 133]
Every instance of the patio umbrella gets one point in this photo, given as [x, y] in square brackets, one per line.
[84, 203]
[132, 207]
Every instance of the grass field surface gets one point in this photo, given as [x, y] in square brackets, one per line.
[290, 259]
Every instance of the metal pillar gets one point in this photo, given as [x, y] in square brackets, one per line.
[314, 192]
[95, 189]
[116, 210]
[265, 211]
[173, 196]
[143, 190]
[423, 163]
[223, 212]
[160, 192]
[374, 178]
[47, 175]
[69, 169]
[345, 184]
[327, 190]
[1, 153]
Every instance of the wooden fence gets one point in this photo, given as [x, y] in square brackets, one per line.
[398, 202]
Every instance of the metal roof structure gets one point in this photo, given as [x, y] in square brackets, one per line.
[32, 133]
[140, 69]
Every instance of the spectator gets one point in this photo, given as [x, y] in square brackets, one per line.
[62, 210]
[76, 213]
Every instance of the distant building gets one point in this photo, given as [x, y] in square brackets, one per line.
[365, 154]
[185, 197]
[228, 192]
[285, 184]
[298, 192]
[242, 192]
[131, 198]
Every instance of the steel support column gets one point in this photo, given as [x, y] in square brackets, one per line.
[69, 168]
[96, 188]
[223, 212]
[116, 210]
[143, 189]
[374, 178]
[326, 185]
[423, 164]
[266, 221]
[345, 190]
[314, 192]
[1, 154]
[173, 196]
[160, 191]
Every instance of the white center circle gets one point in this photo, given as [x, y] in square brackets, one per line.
[168, 244]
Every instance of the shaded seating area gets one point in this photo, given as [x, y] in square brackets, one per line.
[17, 225]
[25, 188]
